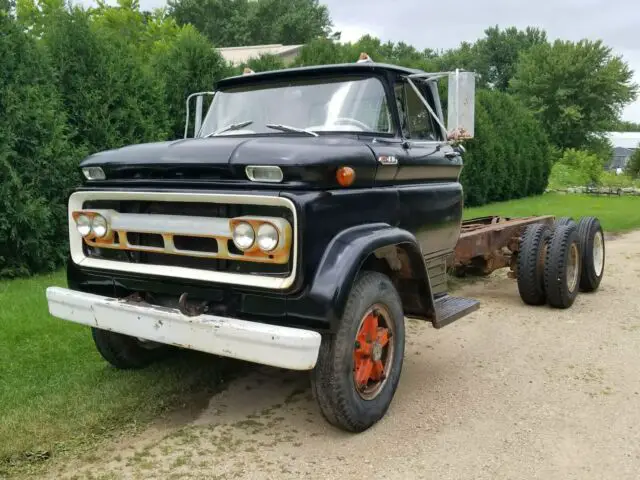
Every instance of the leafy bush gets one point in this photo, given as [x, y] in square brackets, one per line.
[37, 164]
[563, 176]
[186, 64]
[509, 156]
[633, 167]
[576, 168]
[610, 179]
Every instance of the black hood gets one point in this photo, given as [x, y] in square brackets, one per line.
[303, 159]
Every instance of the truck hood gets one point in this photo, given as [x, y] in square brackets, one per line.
[303, 159]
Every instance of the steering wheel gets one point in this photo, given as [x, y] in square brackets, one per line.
[353, 121]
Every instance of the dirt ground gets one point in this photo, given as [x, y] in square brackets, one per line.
[508, 392]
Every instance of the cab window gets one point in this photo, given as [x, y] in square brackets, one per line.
[415, 120]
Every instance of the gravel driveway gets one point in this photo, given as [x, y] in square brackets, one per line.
[508, 392]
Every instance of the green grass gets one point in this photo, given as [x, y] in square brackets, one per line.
[616, 214]
[58, 395]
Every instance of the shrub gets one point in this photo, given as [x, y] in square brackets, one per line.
[610, 179]
[187, 64]
[509, 156]
[36, 161]
[586, 163]
[633, 167]
[563, 176]
[576, 168]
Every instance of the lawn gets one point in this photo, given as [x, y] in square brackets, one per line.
[58, 395]
[616, 214]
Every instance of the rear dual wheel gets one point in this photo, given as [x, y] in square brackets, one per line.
[593, 253]
[359, 366]
[562, 267]
[553, 265]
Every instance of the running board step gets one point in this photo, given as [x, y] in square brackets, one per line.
[449, 309]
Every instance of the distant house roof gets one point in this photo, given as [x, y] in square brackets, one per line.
[624, 139]
[620, 158]
[240, 55]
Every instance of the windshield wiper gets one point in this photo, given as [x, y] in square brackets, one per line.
[229, 128]
[287, 128]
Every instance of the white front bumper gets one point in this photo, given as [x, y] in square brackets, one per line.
[284, 347]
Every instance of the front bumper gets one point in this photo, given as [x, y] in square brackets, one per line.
[284, 347]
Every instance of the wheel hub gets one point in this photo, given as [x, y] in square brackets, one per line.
[598, 253]
[573, 268]
[373, 352]
[376, 353]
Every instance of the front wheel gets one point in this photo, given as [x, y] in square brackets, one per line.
[359, 366]
[125, 352]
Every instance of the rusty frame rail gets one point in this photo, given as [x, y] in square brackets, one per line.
[490, 243]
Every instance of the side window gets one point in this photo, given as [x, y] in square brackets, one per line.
[415, 119]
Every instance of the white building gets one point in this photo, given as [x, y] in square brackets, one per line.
[624, 144]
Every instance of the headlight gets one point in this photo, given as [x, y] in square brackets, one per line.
[100, 226]
[83, 224]
[94, 173]
[243, 236]
[264, 173]
[267, 237]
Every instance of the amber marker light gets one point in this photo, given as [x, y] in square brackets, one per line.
[346, 176]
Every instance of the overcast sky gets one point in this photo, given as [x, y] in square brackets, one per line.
[439, 26]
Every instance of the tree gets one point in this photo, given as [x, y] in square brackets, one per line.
[509, 156]
[633, 167]
[500, 50]
[223, 22]
[231, 23]
[186, 64]
[626, 126]
[287, 21]
[575, 89]
[37, 165]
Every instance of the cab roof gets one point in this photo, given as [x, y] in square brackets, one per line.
[338, 69]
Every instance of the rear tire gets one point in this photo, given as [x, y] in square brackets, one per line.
[342, 361]
[560, 221]
[125, 352]
[562, 267]
[592, 246]
[531, 263]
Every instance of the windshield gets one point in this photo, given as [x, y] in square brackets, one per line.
[334, 104]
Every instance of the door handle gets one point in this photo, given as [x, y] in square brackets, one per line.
[452, 155]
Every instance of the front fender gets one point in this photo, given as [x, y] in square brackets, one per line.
[345, 256]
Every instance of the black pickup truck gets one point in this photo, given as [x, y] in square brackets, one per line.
[310, 213]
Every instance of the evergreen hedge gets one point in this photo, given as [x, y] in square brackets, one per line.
[75, 82]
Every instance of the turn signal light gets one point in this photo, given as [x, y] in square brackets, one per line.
[346, 176]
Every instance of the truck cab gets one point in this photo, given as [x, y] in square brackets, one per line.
[310, 212]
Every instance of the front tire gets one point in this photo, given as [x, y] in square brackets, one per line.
[359, 366]
[125, 352]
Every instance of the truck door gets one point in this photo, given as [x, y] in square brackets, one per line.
[428, 173]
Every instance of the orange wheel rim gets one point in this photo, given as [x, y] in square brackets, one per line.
[373, 352]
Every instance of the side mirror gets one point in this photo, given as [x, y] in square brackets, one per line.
[461, 105]
[198, 113]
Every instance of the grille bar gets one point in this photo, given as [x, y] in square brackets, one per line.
[226, 265]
